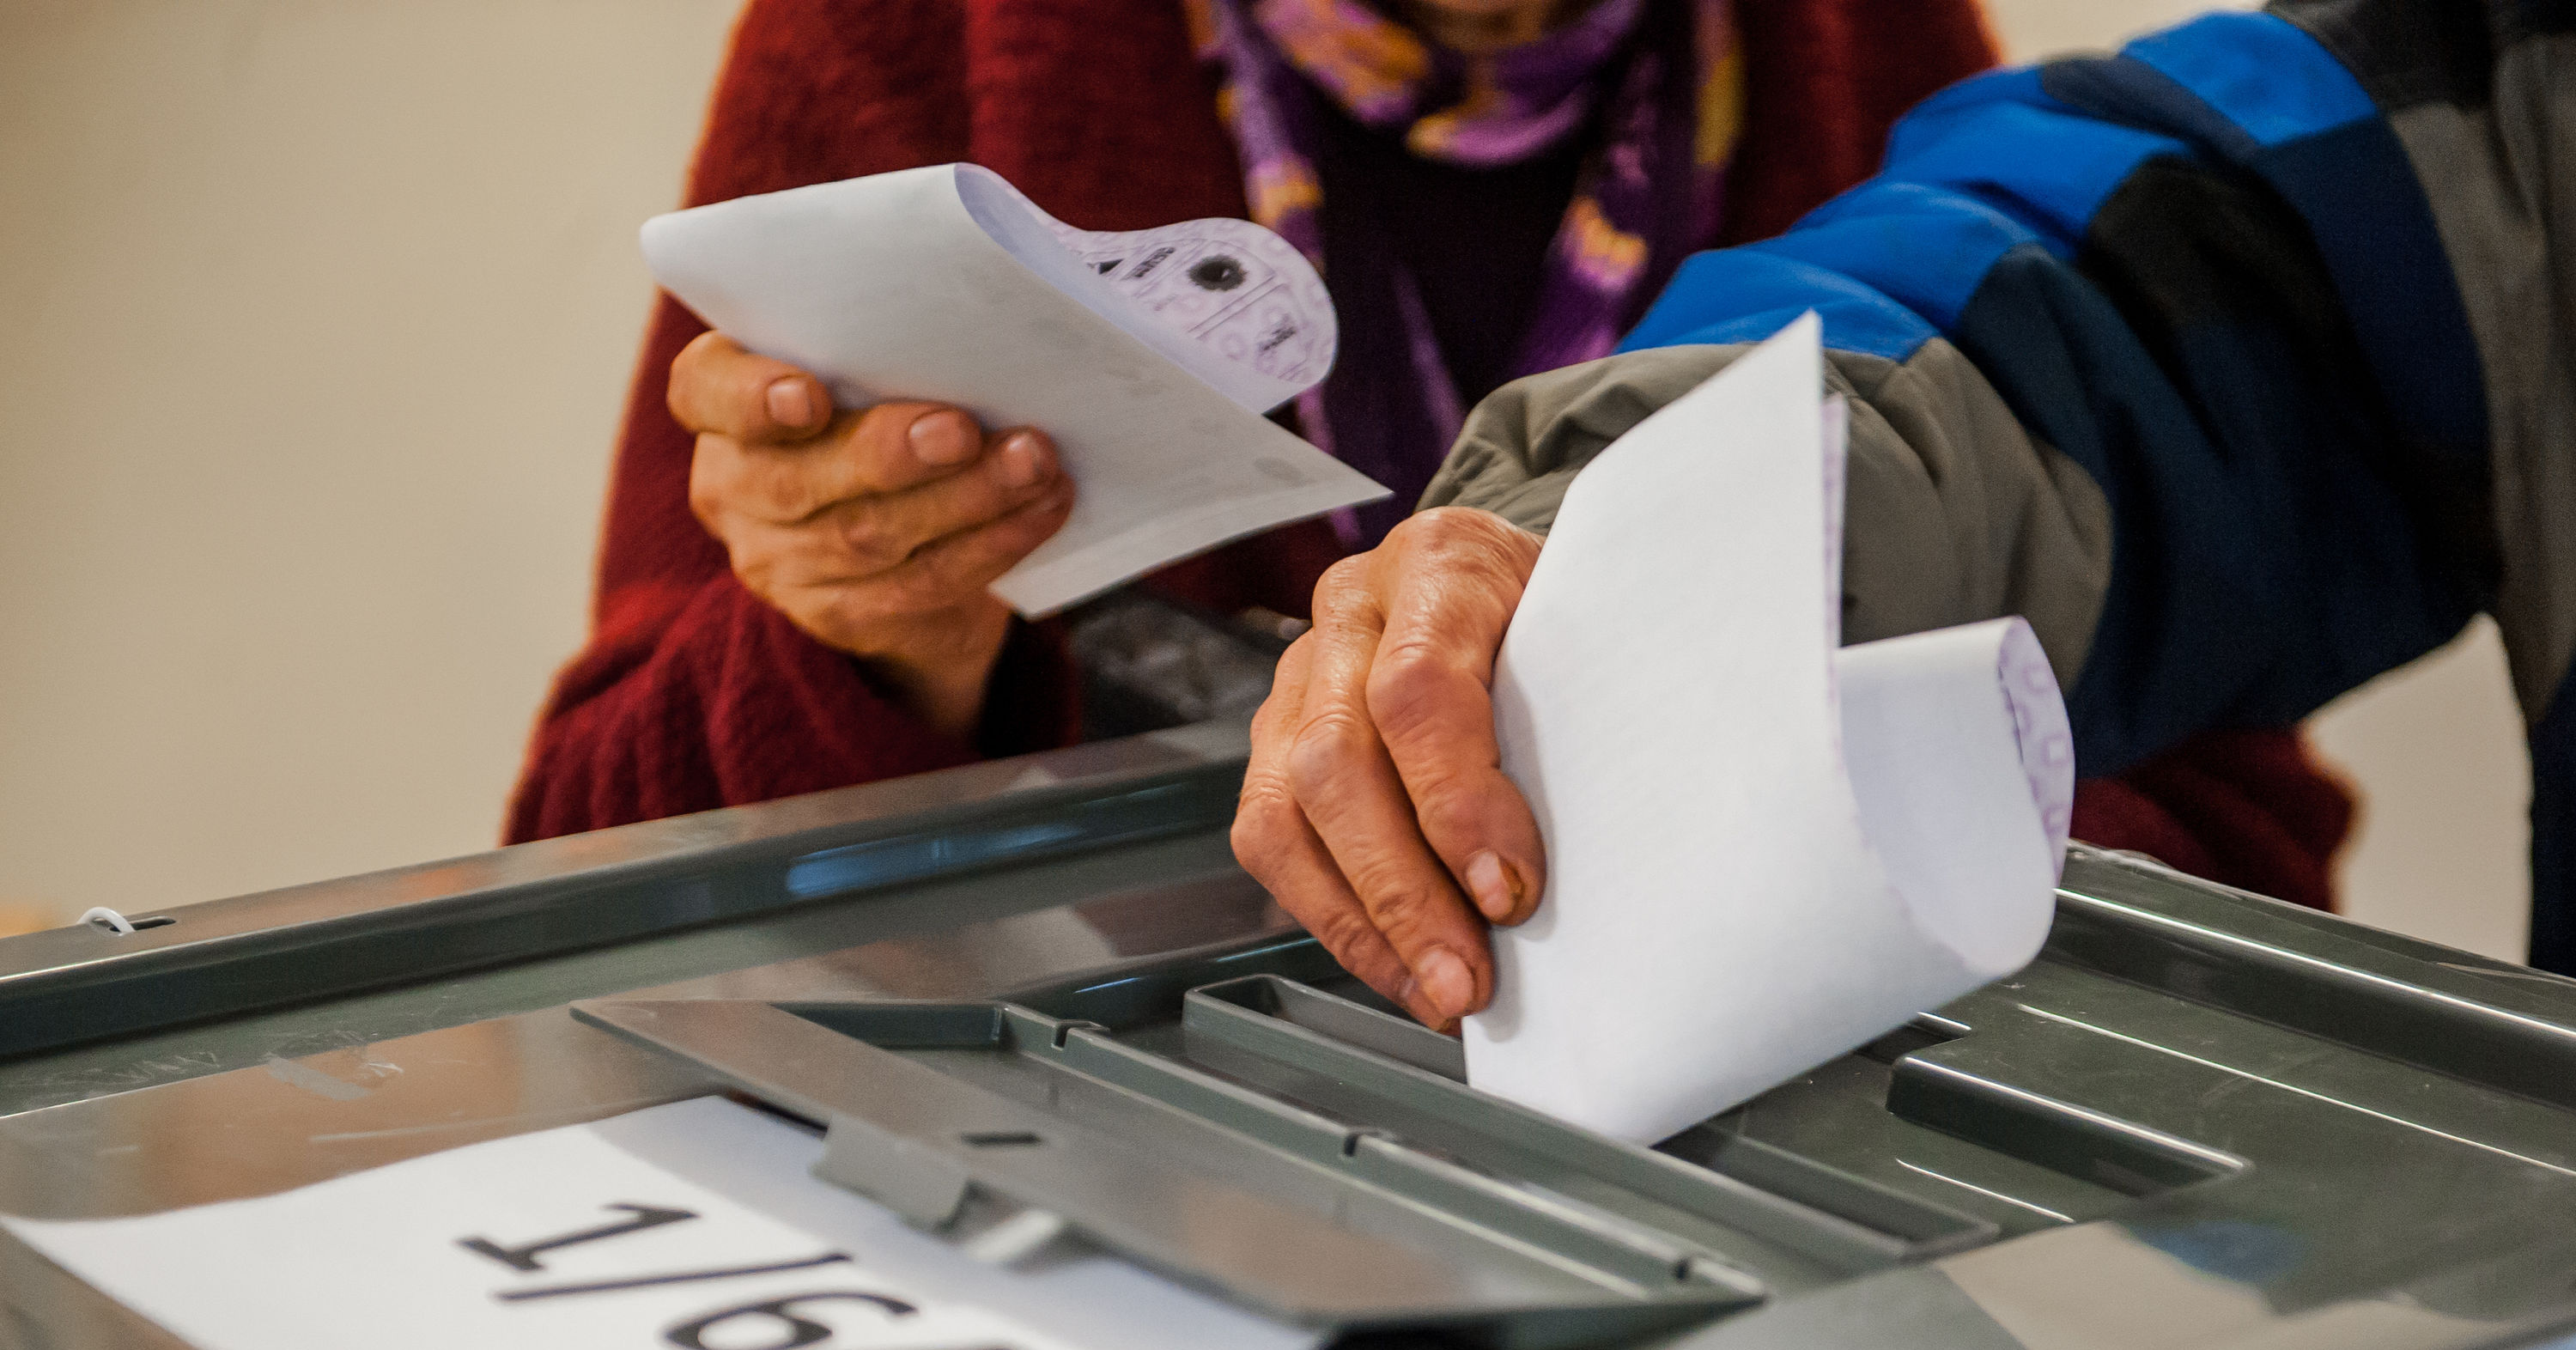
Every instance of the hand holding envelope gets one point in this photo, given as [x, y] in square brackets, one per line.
[1147, 356]
[1759, 851]
[927, 404]
[1763, 851]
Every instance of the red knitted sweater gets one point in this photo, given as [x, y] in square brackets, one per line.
[693, 694]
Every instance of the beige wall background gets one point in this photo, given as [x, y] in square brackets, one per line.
[318, 319]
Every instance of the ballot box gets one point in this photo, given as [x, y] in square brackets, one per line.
[1031, 1007]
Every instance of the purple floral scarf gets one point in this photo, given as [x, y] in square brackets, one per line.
[1663, 79]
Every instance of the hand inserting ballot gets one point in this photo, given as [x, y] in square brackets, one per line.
[1375, 808]
[875, 531]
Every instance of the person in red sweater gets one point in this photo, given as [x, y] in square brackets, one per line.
[791, 596]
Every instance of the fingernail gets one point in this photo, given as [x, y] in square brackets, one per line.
[1022, 462]
[1445, 982]
[791, 402]
[1497, 888]
[942, 438]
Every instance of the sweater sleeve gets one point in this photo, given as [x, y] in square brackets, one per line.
[718, 700]
[691, 693]
[2170, 351]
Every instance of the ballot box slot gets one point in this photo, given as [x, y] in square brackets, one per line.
[1265, 1030]
[1304, 1098]
[1552, 1223]
[1894, 1220]
[945, 1110]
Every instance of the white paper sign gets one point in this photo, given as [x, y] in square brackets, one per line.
[1761, 852]
[1148, 355]
[693, 1226]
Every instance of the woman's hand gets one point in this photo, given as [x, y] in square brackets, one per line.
[876, 531]
[1375, 807]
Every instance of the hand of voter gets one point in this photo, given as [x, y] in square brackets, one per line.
[876, 531]
[1375, 806]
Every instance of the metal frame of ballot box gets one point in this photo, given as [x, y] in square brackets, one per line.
[1040, 987]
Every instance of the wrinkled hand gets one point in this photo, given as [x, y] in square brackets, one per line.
[874, 531]
[1374, 806]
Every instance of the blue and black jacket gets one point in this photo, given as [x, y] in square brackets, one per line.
[2242, 363]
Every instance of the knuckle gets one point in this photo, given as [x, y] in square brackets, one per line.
[1464, 535]
[1343, 584]
[1050, 517]
[1266, 718]
[745, 384]
[1438, 525]
[871, 540]
[1438, 533]
[1013, 536]
[1260, 830]
[1329, 746]
[687, 369]
[957, 567]
[1399, 904]
[979, 493]
[1265, 804]
[1453, 523]
[722, 485]
[784, 488]
[1407, 684]
[1343, 930]
[706, 491]
[738, 478]
[878, 440]
[938, 579]
[1446, 810]
[1028, 534]
[1346, 572]
[1044, 527]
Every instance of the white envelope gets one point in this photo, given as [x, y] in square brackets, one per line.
[1761, 852]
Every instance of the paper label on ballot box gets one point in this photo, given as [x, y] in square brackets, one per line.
[666, 1229]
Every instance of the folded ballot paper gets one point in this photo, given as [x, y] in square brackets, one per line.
[1762, 851]
[1149, 355]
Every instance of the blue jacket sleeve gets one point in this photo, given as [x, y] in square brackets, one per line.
[2205, 271]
